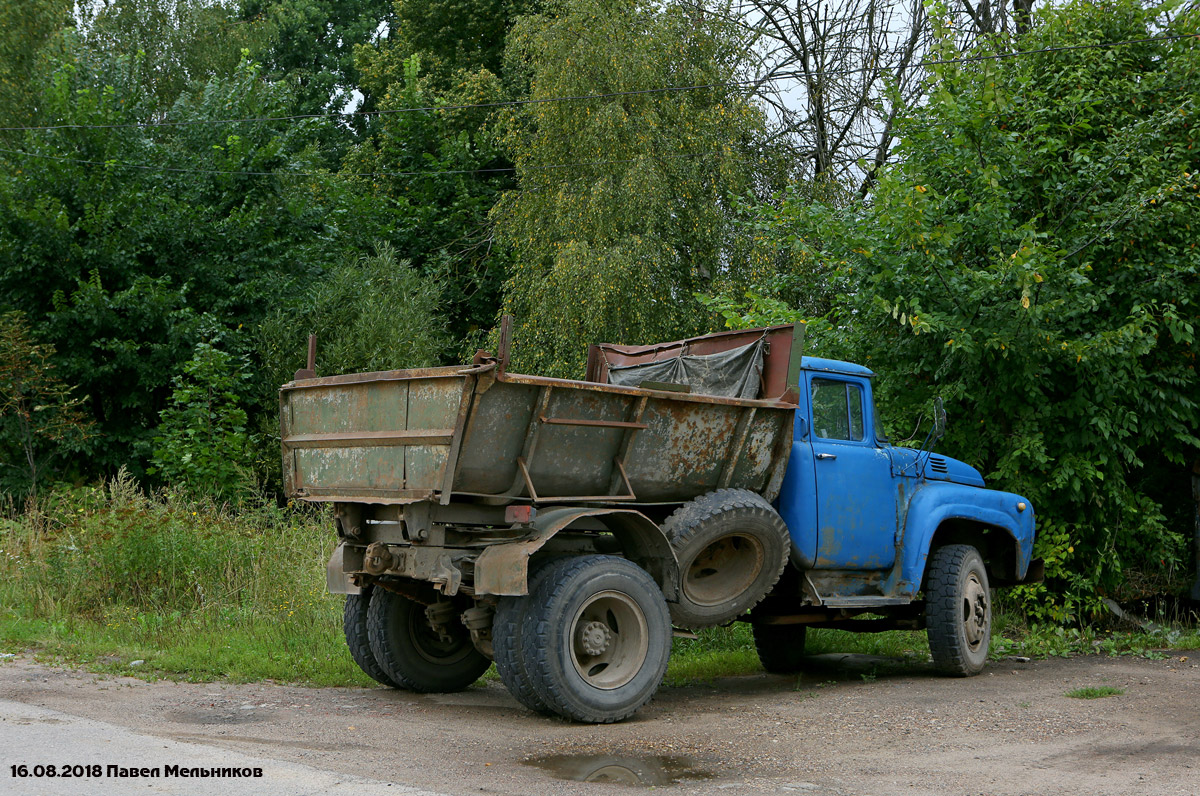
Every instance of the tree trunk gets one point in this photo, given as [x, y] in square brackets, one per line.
[1023, 15]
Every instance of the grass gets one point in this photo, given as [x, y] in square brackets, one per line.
[729, 651]
[107, 576]
[1095, 692]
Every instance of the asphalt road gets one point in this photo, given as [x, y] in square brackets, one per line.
[849, 726]
[66, 755]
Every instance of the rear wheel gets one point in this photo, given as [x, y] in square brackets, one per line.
[780, 647]
[414, 653]
[508, 628]
[598, 639]
[958, 610]
[354, 625]
[732, 547]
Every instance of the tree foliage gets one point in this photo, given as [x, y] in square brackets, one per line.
[118, 241]
[162, 46]
[1033, 258]
[436, 171]
[25, 28]
[309, 44]
[40, 417]
[202, 443]
[623, 210]
[369, 313]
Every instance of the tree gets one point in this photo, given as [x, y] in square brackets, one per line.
[202, 443]
[39, 417]
[164, 45]
[1032, 257]
[623, 210]
[437, 172]
[310, 45]
[836, 78]
[120, 242]
[453, 36]
[369, 313]
[25, 28]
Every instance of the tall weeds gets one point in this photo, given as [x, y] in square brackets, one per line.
[191, 586]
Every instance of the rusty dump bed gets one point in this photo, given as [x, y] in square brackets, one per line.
[476, 433]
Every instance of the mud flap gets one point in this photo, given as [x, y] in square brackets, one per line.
[1036, 572]
[337, 581]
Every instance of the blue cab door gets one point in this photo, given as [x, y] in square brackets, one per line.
[857, 512]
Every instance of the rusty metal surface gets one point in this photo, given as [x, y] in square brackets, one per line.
[433, 433]
[502, 569]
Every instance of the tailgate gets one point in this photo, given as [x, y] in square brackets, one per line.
[390, 436]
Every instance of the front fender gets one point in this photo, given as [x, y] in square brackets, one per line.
[936, 503]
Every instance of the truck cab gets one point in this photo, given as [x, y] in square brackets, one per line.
[871, 523]
[863, 513]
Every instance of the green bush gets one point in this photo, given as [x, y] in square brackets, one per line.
[108, 575]
[202, 445]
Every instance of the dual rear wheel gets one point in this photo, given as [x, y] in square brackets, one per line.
[393, 640]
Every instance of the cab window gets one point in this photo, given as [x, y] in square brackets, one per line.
[837, 410]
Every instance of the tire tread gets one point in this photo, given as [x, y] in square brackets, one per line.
[941, 608]
[354, 626]
[378, 615]
[689, 519]
[537, 639]
[780, 648]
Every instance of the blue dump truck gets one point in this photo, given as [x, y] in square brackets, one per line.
[567, 529]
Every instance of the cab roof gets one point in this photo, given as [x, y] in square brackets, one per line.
[835, 366]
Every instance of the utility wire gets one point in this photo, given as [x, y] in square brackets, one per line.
[609, 95]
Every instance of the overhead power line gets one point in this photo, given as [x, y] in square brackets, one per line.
[607, 95]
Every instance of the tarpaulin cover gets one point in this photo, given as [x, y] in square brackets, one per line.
[731, 374]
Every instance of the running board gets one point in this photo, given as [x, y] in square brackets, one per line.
[850, 600]
[855, 601]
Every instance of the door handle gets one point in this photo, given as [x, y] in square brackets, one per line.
[826, 455]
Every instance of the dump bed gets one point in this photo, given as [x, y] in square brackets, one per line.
[479, 433]
[430, 434]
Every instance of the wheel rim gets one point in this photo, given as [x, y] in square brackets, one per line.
[609, 640]
[975, 611]
[723, 570]
[429, 645]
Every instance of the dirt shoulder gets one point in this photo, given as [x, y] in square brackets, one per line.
[849, 726]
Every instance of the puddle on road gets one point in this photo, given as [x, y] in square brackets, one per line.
[642, 772]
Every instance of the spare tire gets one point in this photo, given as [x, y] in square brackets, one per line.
[732, 547]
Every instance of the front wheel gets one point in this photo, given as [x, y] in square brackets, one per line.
[780, 647]
[600, 640]
[414, 653]
[958, 610]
